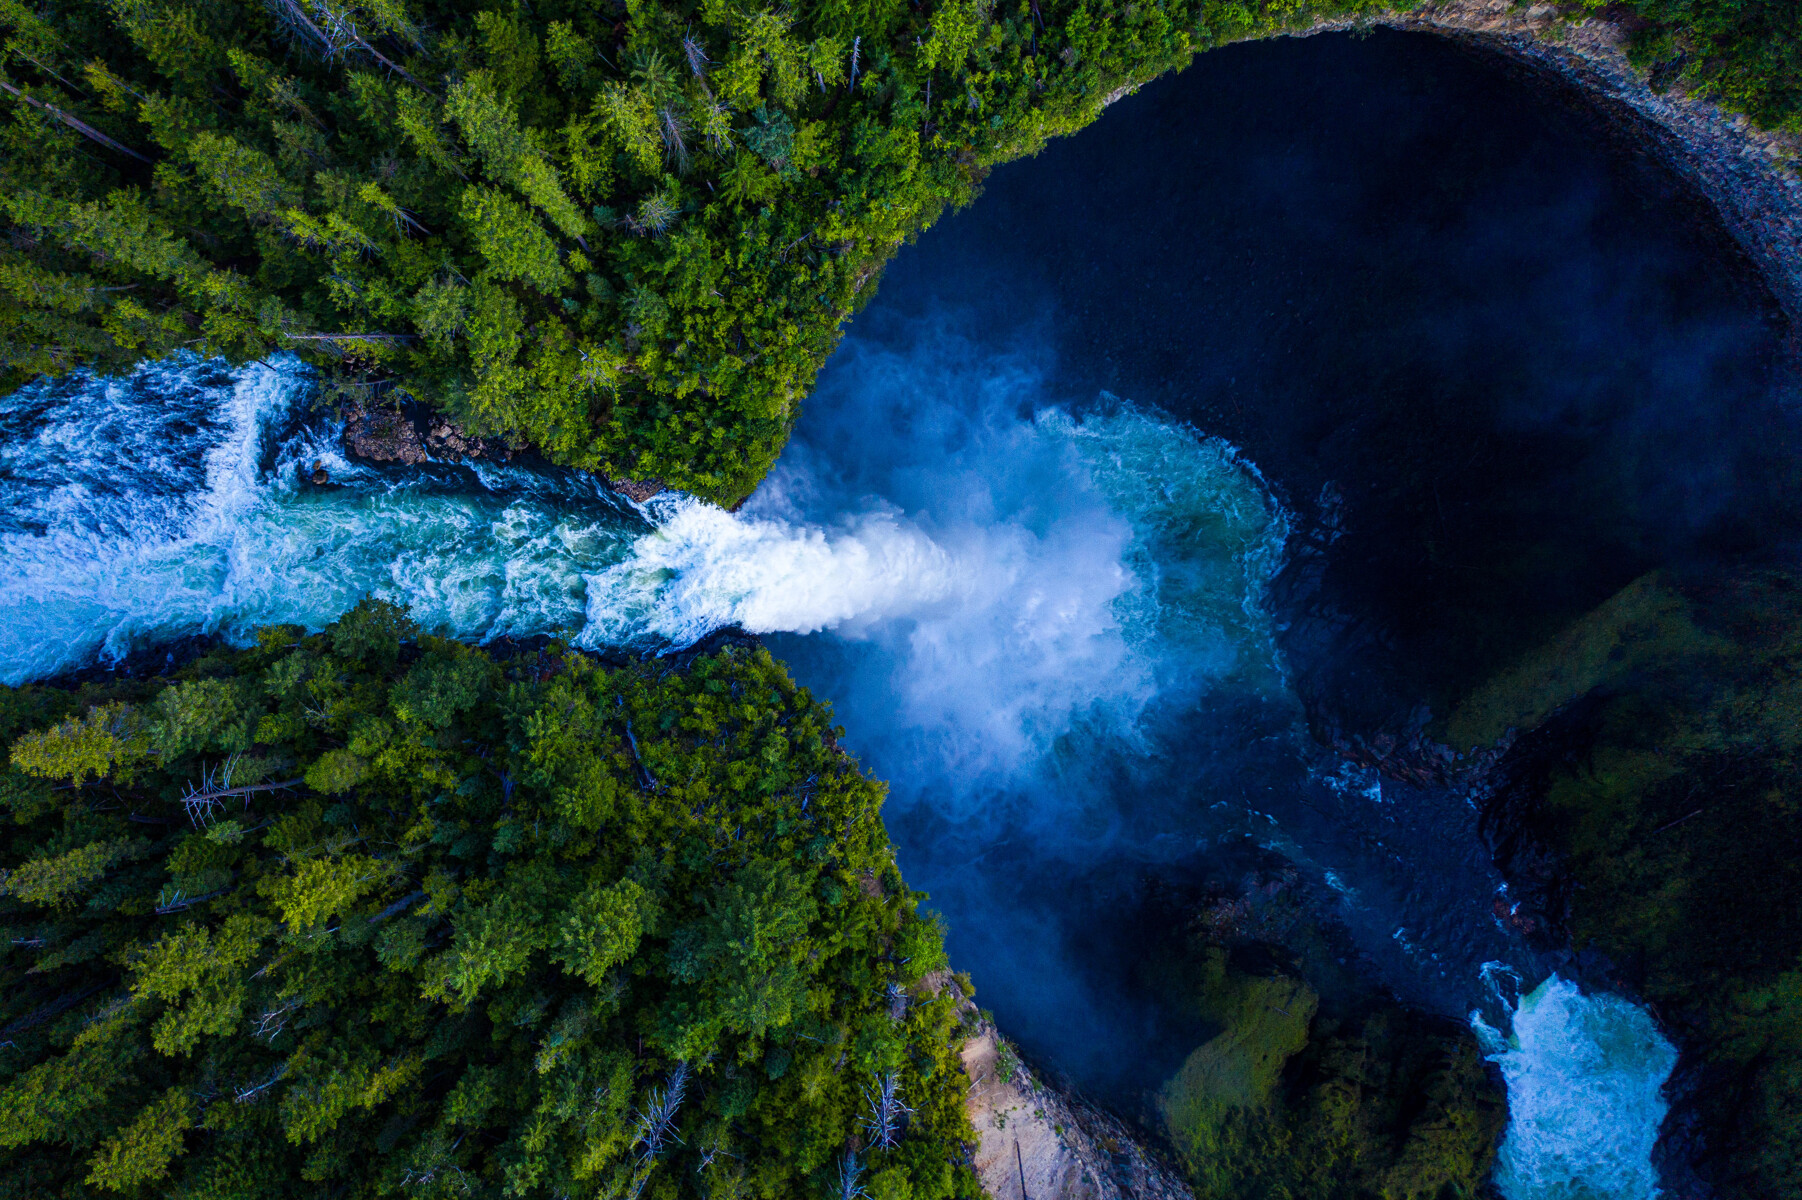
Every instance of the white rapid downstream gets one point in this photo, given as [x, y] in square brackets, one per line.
[1584, 1076]
[1002, 596]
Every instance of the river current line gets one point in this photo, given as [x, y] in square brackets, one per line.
[1024, 615]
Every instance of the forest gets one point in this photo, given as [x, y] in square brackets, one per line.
[366, 911]
[625, 234]
[369, 912]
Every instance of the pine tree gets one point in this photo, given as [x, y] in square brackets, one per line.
[448, 199]
[447, 924]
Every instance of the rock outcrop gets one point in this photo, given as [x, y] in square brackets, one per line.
[637, 490]
[1038, 1143]
[1749, 174]
[384, 435]
[401, 435]
[412, 435]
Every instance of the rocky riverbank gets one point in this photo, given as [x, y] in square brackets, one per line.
[1037, 1140]
[1748, 173]
[1306, 1078]
[1647, 816]
[412, 434]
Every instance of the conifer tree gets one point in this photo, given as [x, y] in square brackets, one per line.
[446, 199]
[370, 913]
[453, 201]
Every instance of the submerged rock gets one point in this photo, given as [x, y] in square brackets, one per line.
[1312, 1081]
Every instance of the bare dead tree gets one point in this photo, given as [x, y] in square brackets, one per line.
[251, 1093]
[273, 1020]
[656, 1124]
[202, 800]
[886, 1111]
[334, 26]
[75, 123]
[672, 125]
[850, 1174]
[696, 54]
[381, 339]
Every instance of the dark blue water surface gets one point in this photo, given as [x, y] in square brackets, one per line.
[1293, 398]
[1491, 359]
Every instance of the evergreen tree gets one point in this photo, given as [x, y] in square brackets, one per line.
[371, 913]
[478, 204]
[448, 198]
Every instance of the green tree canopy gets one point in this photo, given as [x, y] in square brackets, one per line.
[625, 233]
[366, 913]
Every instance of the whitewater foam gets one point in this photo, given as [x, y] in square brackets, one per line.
[701, 568]
[177, 501]
[998, 592]
[174, 501]
[1585, 1076]
[1091, 565]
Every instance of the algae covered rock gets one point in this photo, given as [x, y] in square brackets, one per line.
[1318, 1085]
[1263, 1022]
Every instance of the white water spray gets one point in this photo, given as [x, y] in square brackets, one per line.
[702, 568]
[1585, 1076]
[1090, 566]
[1011, 591]
[176, 501]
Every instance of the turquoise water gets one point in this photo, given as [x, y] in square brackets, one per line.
[171, 502]
[1585, 1075]
[178, 501]
[1014, 592]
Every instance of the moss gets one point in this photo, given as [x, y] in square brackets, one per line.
[1656, 819]
[1313, 1082]
[1645, 623]
[1263, 1022]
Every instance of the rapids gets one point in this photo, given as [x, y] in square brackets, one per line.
[1584, 1075]
[1044, 612]
[1043, 622]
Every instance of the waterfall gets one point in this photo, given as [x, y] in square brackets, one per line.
[1002, 593]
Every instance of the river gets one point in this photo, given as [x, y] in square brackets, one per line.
[1012, 542]
[1045, 630]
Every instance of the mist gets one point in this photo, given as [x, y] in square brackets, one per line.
[1025, 536]
[1103, 568]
